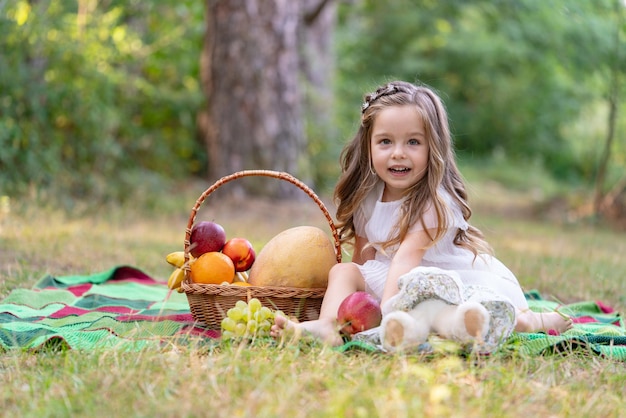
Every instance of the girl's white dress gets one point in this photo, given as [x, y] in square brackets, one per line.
[485, 278]
[375, 221]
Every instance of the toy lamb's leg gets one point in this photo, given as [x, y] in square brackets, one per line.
[466, 322]
[401, 330]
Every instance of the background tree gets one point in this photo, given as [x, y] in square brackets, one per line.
[615, 68]
[98, 99]
[251, 71]
[523, 80]
[318, 66]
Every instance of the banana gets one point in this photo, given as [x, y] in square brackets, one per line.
[176, 278]
[177, 258]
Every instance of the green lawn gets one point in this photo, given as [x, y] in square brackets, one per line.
[566, 261]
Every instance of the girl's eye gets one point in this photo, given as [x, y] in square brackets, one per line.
[414, 142]
[385, 141]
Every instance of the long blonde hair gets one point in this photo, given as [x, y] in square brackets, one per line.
[358, 179]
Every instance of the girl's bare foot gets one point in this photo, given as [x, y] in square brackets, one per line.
[321, 329]
[283, 328]
[529, 321]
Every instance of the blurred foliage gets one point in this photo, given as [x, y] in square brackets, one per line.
[522, 79]
[98, 99]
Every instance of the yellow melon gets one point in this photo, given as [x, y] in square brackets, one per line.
[297, 257]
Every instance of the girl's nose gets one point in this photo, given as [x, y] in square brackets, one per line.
[398, 151]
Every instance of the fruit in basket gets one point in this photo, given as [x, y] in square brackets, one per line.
[212, 268]
[206, 237]
[242, 253]
[176, 278]
[176, 258]
[297, 257]
[358, 312]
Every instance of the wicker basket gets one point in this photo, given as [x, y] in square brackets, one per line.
[210, 302]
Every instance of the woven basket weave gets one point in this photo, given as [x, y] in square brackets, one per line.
[210, 302]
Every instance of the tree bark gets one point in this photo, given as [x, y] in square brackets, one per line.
[317, 65]
[250, 71]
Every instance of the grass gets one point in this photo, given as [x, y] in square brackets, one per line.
[568, 261]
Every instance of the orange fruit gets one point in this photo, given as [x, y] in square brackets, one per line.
[212, 268]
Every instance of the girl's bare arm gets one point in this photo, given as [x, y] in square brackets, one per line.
[362, 254]
[408, 256]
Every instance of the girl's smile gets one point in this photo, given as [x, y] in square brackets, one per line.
[399, 149]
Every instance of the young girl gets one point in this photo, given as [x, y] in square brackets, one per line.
[402, 204]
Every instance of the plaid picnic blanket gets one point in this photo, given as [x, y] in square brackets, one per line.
[598, 328]
[125, 308]
[122, 307]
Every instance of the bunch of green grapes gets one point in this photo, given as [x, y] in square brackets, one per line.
[250, 319]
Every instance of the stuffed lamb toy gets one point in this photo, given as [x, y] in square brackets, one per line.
[431, 300]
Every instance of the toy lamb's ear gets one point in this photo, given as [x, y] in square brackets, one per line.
[406, 278]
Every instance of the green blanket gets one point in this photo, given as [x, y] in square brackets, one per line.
[598, 328]
[125, 308]
[118, 308]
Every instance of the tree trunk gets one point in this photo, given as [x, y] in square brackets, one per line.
[250, 71]
[317, 65]
[614, 94]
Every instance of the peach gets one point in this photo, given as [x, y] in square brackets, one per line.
[358, 312]
[242, 253]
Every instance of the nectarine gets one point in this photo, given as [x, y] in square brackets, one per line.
[242, 253]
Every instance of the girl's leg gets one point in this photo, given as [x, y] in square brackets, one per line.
[343, 280]
[530, 321]
[526, 320]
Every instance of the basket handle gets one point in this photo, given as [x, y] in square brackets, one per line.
[266, 173]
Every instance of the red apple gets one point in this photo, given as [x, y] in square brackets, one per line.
[205, 238]
[241, 252]
[358, 312]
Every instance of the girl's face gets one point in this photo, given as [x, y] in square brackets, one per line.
[399, 149]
